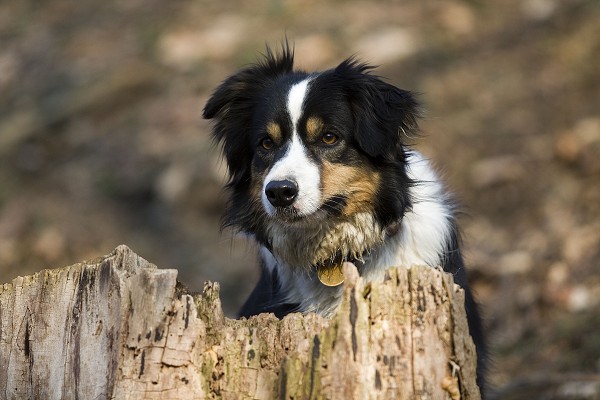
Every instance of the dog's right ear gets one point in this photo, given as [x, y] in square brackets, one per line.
[232, 105]
[386, 116]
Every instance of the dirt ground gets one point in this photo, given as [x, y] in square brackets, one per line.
[102, 143]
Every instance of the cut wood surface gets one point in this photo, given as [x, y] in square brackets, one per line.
[118, 327]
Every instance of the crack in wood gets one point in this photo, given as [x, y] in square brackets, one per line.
[353, 316]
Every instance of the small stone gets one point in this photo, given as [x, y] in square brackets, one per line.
[579, 299]
[539, 9]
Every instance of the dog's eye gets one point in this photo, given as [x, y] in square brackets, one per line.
[267, 143]
[329, 138]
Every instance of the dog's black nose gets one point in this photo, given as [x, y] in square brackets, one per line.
[281, 193]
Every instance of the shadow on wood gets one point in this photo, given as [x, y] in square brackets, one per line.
[118, 327]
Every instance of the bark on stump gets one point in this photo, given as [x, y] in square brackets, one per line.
[118, 327]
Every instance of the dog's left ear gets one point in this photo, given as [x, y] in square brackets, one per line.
[386, 117]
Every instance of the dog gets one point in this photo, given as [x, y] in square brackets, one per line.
[321, 172]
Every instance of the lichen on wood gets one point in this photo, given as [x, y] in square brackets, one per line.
[118, 327]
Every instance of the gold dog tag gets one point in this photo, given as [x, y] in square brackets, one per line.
[331, 275]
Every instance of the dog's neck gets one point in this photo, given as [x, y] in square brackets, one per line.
[303, 247]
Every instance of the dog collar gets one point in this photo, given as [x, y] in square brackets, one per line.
[331, 272]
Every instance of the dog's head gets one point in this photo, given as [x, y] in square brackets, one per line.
[306, 147]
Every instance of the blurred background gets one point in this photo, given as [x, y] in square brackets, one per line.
[102, 143]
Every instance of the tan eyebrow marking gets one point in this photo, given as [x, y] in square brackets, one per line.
[274, 131]
[314, 128]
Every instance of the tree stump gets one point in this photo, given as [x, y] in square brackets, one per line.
[118, 327]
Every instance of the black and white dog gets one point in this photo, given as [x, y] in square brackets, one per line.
[320, 174]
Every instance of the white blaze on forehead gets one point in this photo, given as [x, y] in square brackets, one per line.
[296, 100]
[295, 165]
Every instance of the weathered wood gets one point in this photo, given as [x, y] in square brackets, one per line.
[118, 327]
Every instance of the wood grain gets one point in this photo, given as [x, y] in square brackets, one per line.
[118, 327]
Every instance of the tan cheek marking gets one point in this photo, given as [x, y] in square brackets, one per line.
[274, 131]
[314, 127]
[335, 179]
[358, 184]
